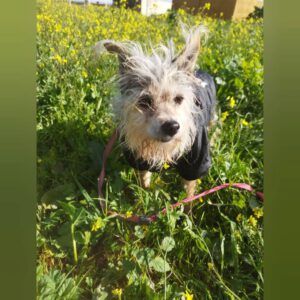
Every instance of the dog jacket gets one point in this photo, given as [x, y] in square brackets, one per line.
[195, 163]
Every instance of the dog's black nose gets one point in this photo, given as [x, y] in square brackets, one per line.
[170, 127]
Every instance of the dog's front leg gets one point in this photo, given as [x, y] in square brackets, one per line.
[189, 186]
[145, 178]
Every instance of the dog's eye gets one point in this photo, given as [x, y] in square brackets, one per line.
[178, 99]
[145, 102]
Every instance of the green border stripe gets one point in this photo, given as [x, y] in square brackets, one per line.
[18, 150]
[282, 149]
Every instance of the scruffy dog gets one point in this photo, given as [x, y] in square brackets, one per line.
[164, 108]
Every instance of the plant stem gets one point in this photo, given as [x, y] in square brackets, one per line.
[74, 243]
[165, 257]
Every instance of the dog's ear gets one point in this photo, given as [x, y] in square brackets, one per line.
[187, 58]
[113, 47]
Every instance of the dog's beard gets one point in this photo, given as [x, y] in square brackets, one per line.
[156, 152]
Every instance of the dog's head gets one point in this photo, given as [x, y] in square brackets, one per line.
[156, 104]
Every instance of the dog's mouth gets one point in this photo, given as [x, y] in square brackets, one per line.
[167, 138]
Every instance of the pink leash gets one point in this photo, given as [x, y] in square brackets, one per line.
[152, 218]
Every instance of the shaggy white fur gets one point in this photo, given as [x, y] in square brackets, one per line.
[162, 77]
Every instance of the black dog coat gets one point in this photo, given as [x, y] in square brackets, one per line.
[195, 163]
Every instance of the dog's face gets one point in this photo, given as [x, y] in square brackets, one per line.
[160, 110]
[157, 101]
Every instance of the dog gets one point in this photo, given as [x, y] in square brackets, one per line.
[164, 108]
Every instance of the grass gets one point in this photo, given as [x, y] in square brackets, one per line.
[215, 253]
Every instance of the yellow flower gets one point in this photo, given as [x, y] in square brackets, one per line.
[117, 292]
[187, 296]
[244, 123]
[258, 212]
[201, 200]
[166, 166]
[224, 116]
[210, 266]
[231, 102]
[239, 217]
[145, 228]
[72, 52]
[57, 28]
[128, 214]
[207, 6]
[181, 12]
[208, 50]
[84, 74]
[98, 224]
[59, 59]
[252, 221]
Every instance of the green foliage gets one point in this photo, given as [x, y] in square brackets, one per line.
[56, 285]
[214, 253]
[257, 13]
